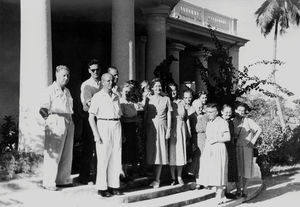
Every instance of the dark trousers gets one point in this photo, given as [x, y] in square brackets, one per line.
[88, 152]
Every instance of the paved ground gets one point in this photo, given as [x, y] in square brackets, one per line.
[282, 190]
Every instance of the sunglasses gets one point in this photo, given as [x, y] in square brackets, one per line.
[93, 70]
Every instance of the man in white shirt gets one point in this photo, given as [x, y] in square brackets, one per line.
[57, 110]
[105, 107]
[87, 90]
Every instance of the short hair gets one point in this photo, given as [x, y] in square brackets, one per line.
[241, 104]
[93, 62]
[200, 93]
[111, 68]
[212, 105]
[155, 80]
[226, 106]
[134, 83]
[188, 91]
[62, 67]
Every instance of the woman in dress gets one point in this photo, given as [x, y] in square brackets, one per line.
[199, 128]
[158, 121]
[129, 127]
[178, 137]
[231, 151]
[246, 132]
[214, 157]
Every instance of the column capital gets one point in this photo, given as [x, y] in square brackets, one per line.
[158, 11]
[176, 46]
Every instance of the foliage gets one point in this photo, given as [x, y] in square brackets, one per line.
[228, 83]
[162, 71]
[9, 135]
[277, 12]
[275, 146]
[15, 162]
[11, 160]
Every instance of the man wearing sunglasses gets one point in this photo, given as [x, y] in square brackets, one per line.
[88, 89]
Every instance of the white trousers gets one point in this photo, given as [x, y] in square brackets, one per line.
[109, 154]
[58, 150]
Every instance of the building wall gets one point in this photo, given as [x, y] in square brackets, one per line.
[9, 59]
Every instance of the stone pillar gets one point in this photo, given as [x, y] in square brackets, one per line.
[234, 53]
[200, 85]
[174, 49]
[35, 71]
[123, 43]
[156, 44]
[141, 58]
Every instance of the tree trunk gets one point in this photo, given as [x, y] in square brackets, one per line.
[280, 114]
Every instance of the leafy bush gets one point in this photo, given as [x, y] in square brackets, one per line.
[11, 160]
[274, 146]
[15, 162]
[9, 135]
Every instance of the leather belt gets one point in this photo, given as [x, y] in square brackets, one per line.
[116, 119]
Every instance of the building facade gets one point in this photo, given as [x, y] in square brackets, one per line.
[133, 35]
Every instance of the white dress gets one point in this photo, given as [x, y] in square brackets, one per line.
[213, 170]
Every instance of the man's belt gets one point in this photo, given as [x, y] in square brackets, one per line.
[114, 119]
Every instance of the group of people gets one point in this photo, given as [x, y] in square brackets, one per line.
[186, 134]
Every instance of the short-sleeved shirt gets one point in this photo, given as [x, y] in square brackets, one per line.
[87, 90]
[57, 100]
[105, 106]
[215, 130]
[244, 130]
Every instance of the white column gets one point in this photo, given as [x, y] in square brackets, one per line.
[156, 44]
[141, 58]
[200, 85]
[234, 53]
[35, 71]
[174, 49]
[123, 43]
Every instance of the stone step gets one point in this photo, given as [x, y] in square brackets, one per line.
[255, 187]
[150, 193]
[175, 200]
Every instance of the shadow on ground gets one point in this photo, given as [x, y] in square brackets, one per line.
[285, 184]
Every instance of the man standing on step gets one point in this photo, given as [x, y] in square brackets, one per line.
[105, 107]
[87, 90]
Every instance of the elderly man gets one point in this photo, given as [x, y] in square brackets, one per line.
[56, 109]
[88, 89]
[105, 107]
[115, 73]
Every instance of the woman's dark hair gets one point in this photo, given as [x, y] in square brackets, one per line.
[93, 62]
[212, 105]
[155, 80]
[200, 93]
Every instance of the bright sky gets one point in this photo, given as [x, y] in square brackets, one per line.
[259, 47]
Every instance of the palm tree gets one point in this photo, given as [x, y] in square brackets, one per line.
[277, 13]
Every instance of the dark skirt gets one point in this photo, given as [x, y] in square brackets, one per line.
[129, 147]
[232, 162]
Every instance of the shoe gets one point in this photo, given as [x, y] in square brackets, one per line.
[83, 180]
[180, 181]
[155, 184]
[241, 194]
[174, 182]
[230, 196]
[115, 192]
[50, 188]
[65, 185]
[104, 193]
[199, 187]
